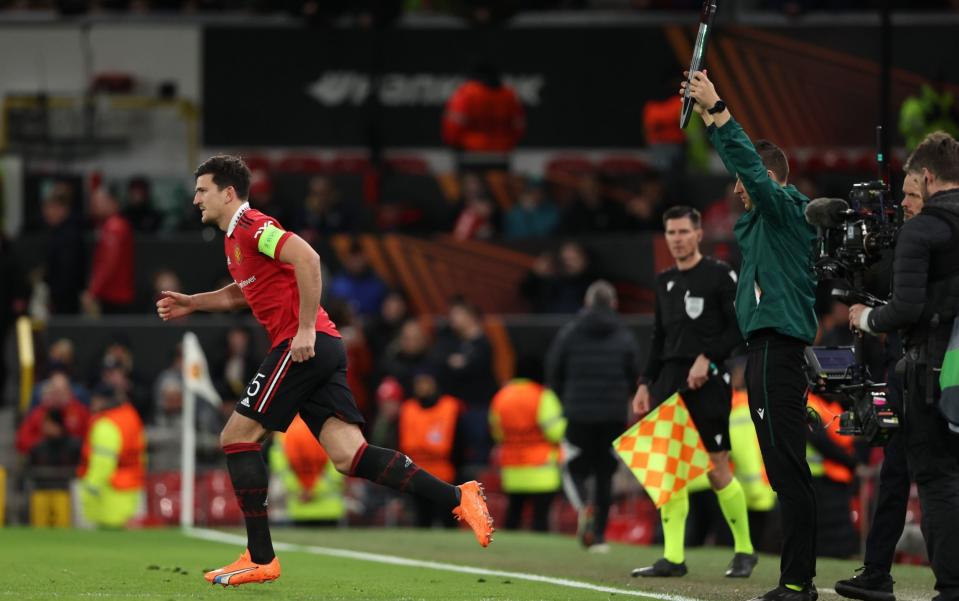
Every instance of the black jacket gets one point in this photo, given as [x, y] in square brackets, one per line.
[925, 274]
[593, 366]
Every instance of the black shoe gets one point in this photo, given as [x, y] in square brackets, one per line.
[871, 584]
[663, 568]
[781, 593]
[742, 565]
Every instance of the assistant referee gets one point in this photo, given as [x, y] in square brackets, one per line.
[774, 307]
[694, 331]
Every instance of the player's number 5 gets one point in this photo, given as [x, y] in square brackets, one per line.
[254, 388]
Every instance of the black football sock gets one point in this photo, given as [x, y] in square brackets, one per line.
[248, 475]
[396, 470]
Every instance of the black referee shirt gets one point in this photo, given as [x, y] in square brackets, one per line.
[694, 314]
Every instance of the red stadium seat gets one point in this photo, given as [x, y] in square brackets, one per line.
[298, 163]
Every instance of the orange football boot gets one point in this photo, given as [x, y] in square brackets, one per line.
[244, 571]
[472, 508]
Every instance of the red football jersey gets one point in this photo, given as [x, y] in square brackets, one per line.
[252, 244]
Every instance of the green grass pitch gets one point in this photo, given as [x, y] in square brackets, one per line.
[167, 565]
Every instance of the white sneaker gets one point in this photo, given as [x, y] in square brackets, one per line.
[598, 548]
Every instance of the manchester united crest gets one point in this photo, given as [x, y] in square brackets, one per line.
[237, 254]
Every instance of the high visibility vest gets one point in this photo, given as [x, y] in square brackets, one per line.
[303, 465]
[526, 419]
[661, 121]
[818, 465]
[746, 457]
[427, 434]
[130, 472]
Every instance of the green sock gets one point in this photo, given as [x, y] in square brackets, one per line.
[673, 514]
[793, 587]
[732, 501]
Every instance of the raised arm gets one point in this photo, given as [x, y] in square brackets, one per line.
[173, 305]
[737, 151]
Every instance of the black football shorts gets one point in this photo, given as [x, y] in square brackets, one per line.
[709, 406]
[315, 388]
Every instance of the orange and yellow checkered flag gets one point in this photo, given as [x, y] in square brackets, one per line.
[664, 450]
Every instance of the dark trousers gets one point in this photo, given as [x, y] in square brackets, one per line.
[933, 455]
[776, 384]
[592, 455]
[893, 496]
[541, 503]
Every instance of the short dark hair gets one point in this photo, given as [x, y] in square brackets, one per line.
[227, 170]
[774, 159]
[939, 153]
[682, 211]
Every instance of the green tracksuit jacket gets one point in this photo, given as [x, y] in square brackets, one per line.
[777, 285]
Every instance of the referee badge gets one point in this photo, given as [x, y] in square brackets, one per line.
[694, 306]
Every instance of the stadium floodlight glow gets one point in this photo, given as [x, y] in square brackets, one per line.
[699, 53]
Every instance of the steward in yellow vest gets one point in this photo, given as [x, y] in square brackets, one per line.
[428, 430]
[112, 467]
[526, 421]
[314, 489]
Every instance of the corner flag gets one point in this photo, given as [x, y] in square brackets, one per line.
[664, 450]
[196, 382]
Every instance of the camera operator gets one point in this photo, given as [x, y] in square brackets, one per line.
[925, 296]
[874, 581]
[774, 307]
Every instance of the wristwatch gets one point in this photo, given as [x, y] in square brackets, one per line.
[719, 107]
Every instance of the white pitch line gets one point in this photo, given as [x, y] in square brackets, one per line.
[223, 537]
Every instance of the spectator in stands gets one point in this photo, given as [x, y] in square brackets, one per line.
[538, 285]
[165, 435]
[60, 359]
[592, 212]
[593, 365]
[573, 278]
[139, 209]
[384, 327]
[557, 285]
[389, 396]
[325, 212]
[240, 361]
[477, 219]
[357, 284]
[55, 395]
[533, 215]
[164, 279]
[64, 268]
[53, 460]
[465, 359]
[111, 288]
[644, 209]
[117, 371]
[483, 120]
[406, 353]
[429, 429]
[113, 465]
[358, 355]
